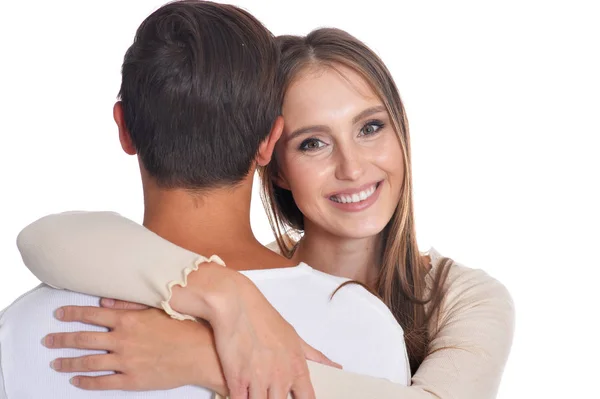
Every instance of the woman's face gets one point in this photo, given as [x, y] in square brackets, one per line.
[339, 154]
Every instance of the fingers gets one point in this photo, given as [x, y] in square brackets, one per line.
[89, 315]
[311, 353]
[303, 389]
[257, 391]
[238, 391]
[80, 340]
[278, 392]
[102, 383]
[117, 304]
[106, 362]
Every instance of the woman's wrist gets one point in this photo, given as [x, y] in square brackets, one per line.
[212, 293]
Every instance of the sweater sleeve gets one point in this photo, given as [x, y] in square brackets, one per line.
[107, 255]
[471, 339]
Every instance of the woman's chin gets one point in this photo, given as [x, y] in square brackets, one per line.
[359, 230]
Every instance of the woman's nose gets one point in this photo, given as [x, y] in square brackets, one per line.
[349, 165]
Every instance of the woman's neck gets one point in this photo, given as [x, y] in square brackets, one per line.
[354, 258]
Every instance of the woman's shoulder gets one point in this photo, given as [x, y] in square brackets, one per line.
[467, 284]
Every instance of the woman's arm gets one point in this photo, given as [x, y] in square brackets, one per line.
[471, 339]
[104, 254]
[107, 255]
[469, 350]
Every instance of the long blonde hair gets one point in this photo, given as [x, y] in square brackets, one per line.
[401, 282]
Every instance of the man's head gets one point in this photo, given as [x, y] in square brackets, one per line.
[199, 94]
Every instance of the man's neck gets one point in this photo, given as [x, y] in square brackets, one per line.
[216, 221]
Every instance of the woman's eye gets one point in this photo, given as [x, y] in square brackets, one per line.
[371, 128]
[311, 145]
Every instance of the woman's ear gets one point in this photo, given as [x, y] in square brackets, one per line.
[266, 148]
[124, 135]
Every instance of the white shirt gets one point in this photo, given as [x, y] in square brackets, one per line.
[353, 328]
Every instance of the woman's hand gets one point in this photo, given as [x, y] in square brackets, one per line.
[261, 354]
[147, 348]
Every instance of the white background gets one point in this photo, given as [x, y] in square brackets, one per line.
[503, 103]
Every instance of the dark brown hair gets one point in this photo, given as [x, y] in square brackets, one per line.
[405, 283]
[199, 93]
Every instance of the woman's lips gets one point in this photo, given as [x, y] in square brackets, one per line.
[356, 200]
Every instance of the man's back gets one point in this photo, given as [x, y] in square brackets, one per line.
[354, 329]
[25, 362]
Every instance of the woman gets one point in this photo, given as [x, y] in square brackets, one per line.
[339, 197]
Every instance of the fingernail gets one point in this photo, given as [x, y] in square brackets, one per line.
[55, 364]
[74, 381]
[59, 313]
[107, 302]
[48, 340]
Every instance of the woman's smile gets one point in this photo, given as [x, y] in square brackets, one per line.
[355, 200]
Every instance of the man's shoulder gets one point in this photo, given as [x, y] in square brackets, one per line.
[16, 303]
[40, 300]
[321, 293]
[350, 324]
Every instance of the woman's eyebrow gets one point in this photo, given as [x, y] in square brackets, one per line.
[368, 112]
[308, 129]
[323, 128]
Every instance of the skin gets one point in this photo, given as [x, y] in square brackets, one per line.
[352, 146]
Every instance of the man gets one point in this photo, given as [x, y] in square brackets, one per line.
[199, 107]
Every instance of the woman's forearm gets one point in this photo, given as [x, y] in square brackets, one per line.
[107, 255]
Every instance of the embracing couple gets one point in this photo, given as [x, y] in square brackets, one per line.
[343, 305]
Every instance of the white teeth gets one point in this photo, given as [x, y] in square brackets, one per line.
[347, 199]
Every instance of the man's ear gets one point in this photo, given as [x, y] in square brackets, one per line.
[124, 135]
[266, 148]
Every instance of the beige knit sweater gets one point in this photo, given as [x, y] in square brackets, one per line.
[104, 254]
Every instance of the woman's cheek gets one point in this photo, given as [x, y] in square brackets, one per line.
[303, 174]
[388, 157]
[394, 166]
[308, 180]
